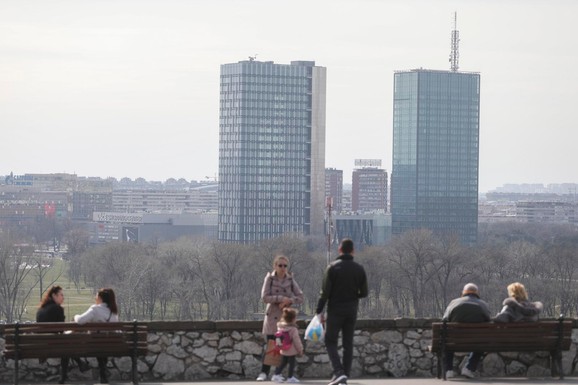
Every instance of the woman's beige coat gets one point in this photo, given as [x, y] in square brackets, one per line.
[274, 291]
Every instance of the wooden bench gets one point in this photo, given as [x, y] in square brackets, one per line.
[53, 340]
[551, 336]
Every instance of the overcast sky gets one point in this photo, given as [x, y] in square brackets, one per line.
[131, 87]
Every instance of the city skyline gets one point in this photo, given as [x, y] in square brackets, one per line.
[132, 92]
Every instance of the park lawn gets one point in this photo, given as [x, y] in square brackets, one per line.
[75, 301]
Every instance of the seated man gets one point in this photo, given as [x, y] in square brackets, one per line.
[469, 308]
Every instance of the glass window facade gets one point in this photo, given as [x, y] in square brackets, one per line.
[267, 148]
[434, 181]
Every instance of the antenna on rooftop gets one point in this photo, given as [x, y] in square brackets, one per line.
[252, 58]
[455, 54]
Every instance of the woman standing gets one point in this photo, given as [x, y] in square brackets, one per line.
[279, 291]
[50, 310]
[105, 310]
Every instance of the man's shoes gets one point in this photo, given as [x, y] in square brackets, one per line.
[277, 378]
[450, 374]
[293, 380]
[467, 373]
[337, 379]
[262, 376]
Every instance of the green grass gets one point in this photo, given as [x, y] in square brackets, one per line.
[75, 301]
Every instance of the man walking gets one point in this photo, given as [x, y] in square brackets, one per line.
[468, 308]
[344, 283]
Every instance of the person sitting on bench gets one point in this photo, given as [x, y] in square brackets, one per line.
[471, 309]
[517, 308]
[105, 310]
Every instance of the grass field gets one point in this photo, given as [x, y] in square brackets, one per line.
[75, 301]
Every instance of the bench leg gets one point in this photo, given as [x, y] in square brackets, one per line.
[556, 364]
[560, 368]
[16, 371]
[439, 366]
[444, 358]
[134, 371]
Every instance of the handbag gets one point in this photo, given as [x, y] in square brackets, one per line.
[272, 354]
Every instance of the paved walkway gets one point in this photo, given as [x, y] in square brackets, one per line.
[372, 381]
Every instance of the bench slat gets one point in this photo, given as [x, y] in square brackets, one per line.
[60, 339]
[551, 336]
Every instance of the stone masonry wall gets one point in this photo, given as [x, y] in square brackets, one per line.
[187, 351]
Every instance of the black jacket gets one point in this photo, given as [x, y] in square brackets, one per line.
[51, 312]
[344, 283]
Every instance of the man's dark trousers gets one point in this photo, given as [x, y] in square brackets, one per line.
[340, 320]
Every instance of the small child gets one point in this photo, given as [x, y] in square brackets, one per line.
[287, 328]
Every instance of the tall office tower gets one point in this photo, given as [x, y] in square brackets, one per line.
[434, 182]
[334, 188]
[271, 150]
[369, 187]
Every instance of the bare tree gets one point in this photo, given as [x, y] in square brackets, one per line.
[412, 258]
[15, 269]
[41, 265]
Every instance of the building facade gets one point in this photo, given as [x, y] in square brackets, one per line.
[201, 199]
[369, 190]
[364, 229]
[434, 182]
[334, 188]
[107, 227]
[271, 150]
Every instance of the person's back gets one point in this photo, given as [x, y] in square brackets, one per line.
[517, 308]
[346, 283]
[50, 312]
[469, 308]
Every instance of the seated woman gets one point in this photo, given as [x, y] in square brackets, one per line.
[517, 308]
[51, 310]
[105, 310]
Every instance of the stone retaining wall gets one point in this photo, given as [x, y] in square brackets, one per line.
[187, 351]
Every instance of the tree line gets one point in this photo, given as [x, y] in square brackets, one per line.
[415, 275]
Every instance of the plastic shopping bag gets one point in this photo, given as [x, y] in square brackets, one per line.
[314, 331]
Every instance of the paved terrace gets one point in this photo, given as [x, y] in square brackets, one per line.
[370, 381]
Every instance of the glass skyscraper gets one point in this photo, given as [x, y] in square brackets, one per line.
[271, 150]
[434, 181]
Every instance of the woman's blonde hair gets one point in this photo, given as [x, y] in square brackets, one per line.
[518, 291]
[279, 258]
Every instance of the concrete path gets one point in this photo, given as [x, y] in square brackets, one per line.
[368, 381]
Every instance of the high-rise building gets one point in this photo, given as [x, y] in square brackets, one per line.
[271, 150]
[434, 182]
[334, 188]
[369, 187]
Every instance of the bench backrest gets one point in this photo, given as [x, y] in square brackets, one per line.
[502, 337]
[45, 340]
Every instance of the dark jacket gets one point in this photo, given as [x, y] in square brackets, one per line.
[344, 283]
[469, 308]
[514, 311]
[51, 312]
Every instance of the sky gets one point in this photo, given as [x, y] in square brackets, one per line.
[130, 88]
